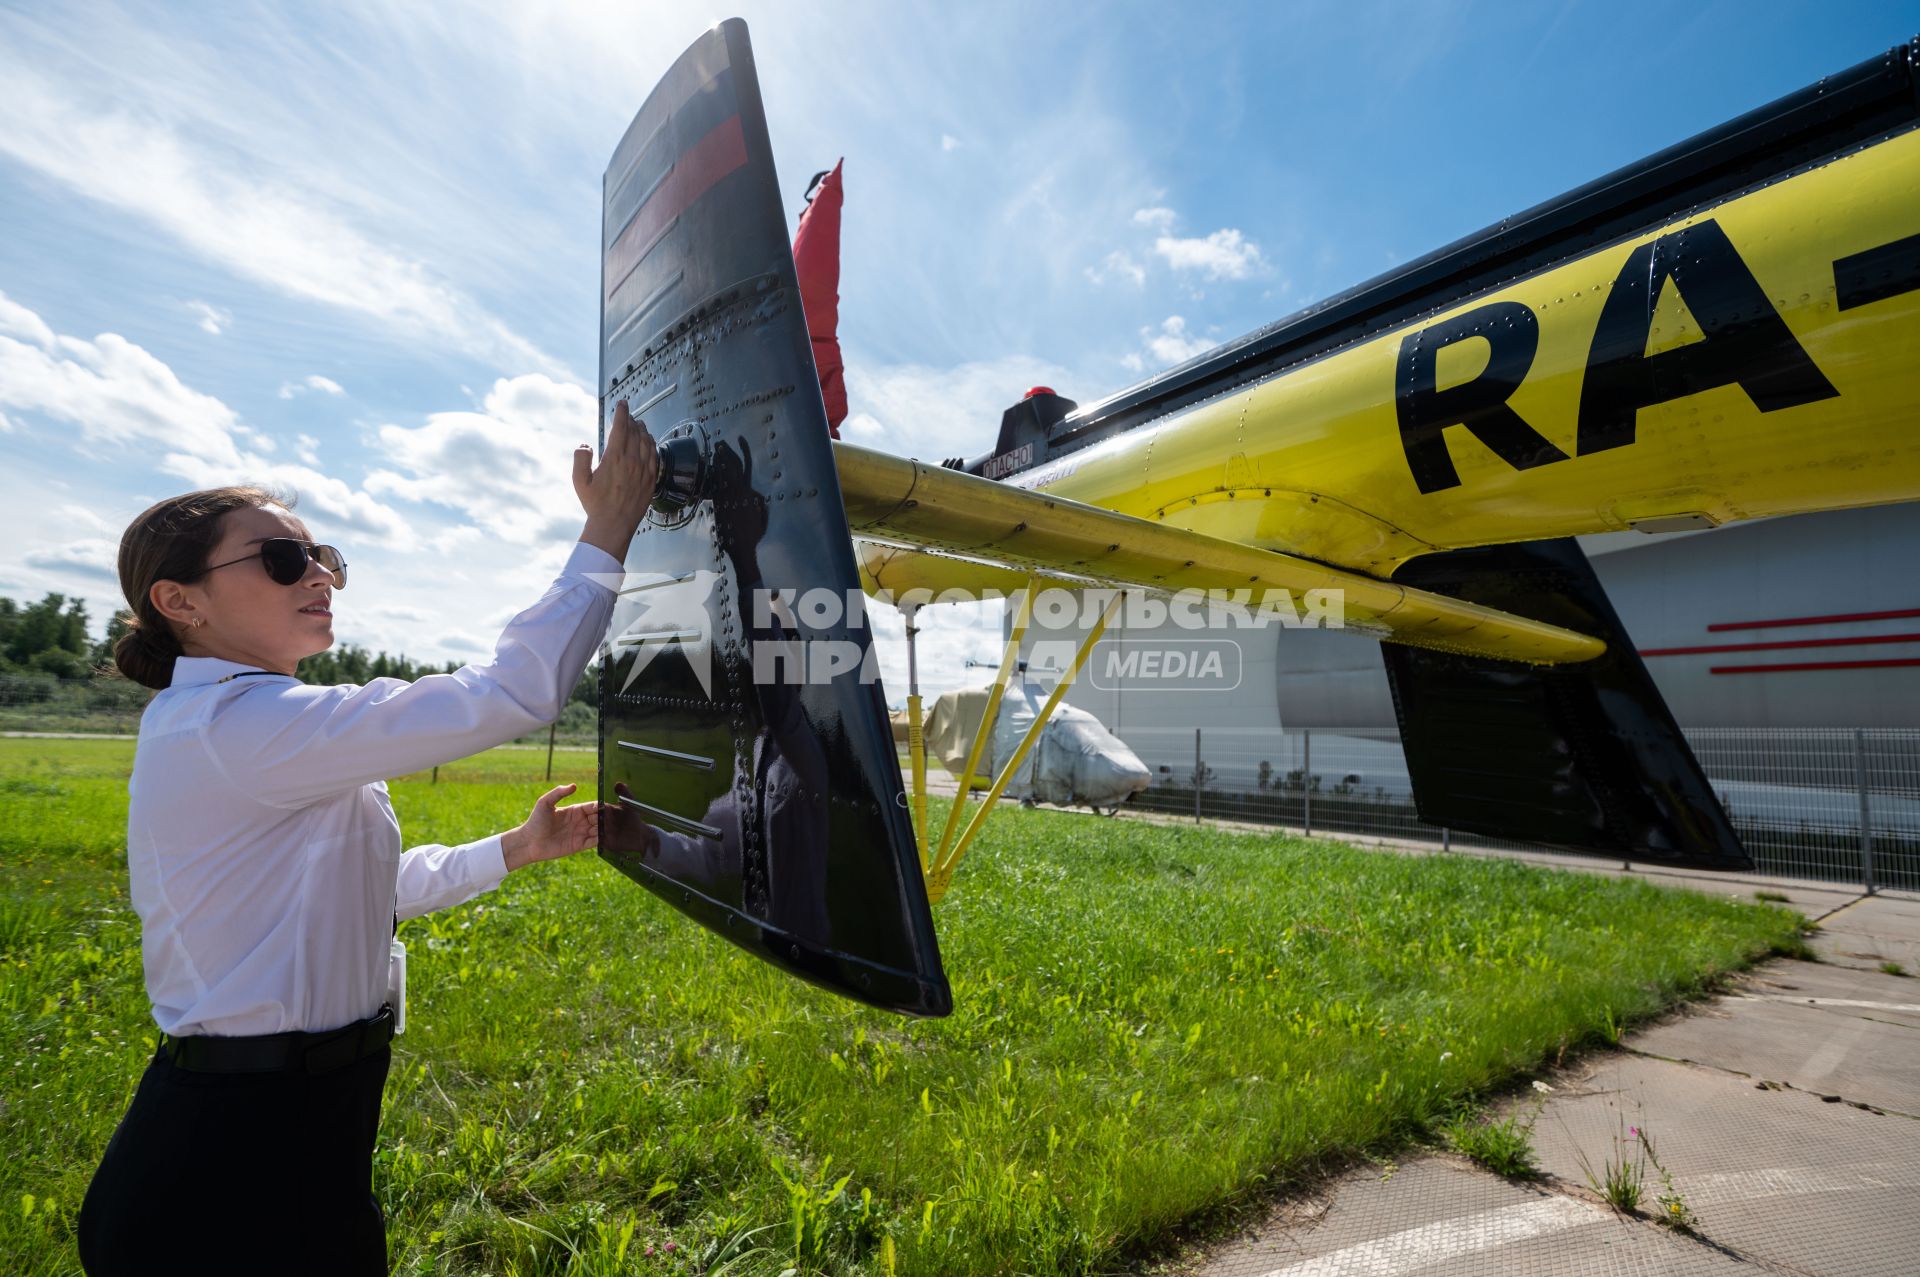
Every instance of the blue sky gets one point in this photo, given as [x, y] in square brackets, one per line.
[352, 248]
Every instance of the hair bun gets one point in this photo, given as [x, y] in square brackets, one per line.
[146, 655]
[157, 640]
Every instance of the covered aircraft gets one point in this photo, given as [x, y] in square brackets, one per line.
[1726, 330]
[1075, 762]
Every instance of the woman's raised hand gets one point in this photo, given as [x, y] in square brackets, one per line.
[552, 831]
[615, 493]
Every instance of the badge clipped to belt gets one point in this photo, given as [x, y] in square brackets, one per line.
[397, 984]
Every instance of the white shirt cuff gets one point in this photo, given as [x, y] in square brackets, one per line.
[488, 859]
[591, 563]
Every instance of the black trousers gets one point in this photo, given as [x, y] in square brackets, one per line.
[241, 1173]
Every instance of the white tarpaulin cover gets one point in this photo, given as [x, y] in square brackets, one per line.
[1075, 761]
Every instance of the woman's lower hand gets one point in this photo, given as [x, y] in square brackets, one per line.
[552, 831]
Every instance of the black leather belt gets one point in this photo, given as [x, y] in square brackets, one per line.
[284, 1052]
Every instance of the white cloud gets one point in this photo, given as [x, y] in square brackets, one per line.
[941, 412]
[948, 142]
[1170, 344]
[258, 439]
[221, 208]
[325, 385]
[307, 448]
[1225, 254]
[951, 634]
[1118, 265]
[400, 612]
[213, 319]
[86, 518]
[50, 541]
[466, 647]
[121, 400]
[93, 557]
[507, 467]
[17, 321]
[460, 538]
[338, 503]
[113, 392]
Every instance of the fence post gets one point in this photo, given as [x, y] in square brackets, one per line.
[1306, 782]
[1197, 775]
[1446, 838]
[1866, 807]
[552, 729]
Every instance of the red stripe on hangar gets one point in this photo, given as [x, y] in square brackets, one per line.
[1844, 618]
[1781, 645]
[1904, 663]
[697, 171]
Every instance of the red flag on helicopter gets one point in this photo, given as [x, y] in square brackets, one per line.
[816, 259]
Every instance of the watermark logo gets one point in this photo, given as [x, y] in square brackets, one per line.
[668, 613]
[1055, 608]
[1199, 665]
[817, 636]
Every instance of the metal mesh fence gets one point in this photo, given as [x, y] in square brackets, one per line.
[43, 703]
[1833, 804]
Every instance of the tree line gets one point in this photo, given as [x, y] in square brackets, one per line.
[49, 639]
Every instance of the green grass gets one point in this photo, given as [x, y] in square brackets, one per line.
[1154, 1026]
[1619, 1183]
[1504, 1147]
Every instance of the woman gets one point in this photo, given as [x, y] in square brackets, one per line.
[266, 868]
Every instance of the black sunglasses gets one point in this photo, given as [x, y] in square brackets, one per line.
[286, 561]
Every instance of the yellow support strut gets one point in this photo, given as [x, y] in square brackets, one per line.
[943, 868]
[1008, 660]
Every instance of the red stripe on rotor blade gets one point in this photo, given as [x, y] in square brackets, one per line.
[1816, 665]
[1781, 645]
[1842, 618]
[698, 169]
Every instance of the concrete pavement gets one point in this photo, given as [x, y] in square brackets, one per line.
[1786, 1110]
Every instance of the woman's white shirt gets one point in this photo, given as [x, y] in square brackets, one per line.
[263, 852]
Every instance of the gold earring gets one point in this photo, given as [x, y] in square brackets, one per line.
[197, 622]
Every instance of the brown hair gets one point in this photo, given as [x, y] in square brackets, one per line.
[169, 542]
